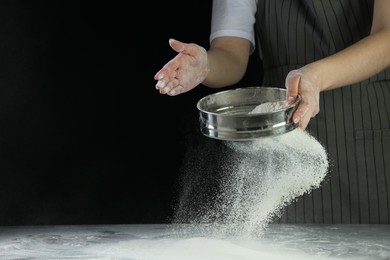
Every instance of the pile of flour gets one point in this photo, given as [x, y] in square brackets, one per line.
[237, 188]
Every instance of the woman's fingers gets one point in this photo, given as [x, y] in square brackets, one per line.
[185, 71]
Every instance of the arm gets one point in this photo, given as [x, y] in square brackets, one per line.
[358, 62]
[222, 65]
[228, 61]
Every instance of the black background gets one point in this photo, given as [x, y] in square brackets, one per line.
[84, 135]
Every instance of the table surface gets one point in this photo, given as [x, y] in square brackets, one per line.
[155, 241]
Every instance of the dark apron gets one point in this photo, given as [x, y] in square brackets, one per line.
[354, 121]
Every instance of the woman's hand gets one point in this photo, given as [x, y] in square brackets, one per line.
[304, 83]
[185, 71]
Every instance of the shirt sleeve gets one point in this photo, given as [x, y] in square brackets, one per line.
[234, 18]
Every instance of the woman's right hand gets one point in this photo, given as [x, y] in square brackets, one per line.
[185, 71]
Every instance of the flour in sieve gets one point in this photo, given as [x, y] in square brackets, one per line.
[269, 107]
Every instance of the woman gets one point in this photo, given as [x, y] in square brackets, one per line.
[336, 55]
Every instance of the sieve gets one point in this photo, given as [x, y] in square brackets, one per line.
[226, 115]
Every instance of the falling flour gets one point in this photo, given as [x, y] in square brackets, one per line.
[237, 188]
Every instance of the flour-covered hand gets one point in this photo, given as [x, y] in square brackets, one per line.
[185, 71]
[304, 83]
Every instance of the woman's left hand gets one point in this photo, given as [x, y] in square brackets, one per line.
[303, 83]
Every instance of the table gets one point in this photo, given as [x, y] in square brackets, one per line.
[187, 242]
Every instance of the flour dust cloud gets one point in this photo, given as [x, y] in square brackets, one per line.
[236, 188]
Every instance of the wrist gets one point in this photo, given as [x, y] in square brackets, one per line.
[315, 74]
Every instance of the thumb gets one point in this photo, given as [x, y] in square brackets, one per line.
[292, 83]
[177, 45]
[190, 49]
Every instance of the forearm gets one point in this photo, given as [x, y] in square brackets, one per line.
[358, 62]
[227, 62]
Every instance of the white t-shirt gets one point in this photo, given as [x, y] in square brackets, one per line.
[234, 18]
